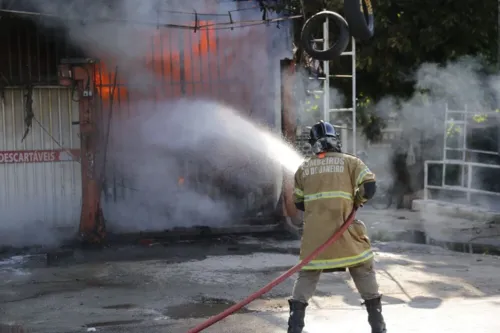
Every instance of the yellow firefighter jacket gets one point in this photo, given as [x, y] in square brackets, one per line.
[328, 185]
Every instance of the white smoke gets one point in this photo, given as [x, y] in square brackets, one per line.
[230, 160]
[227, 158]
[459, 85]
[149, 152]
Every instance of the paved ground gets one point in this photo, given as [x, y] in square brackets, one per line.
[172, 288]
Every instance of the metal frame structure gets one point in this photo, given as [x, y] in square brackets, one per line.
[466, 181]
[465, 115]
[468, 188]
[326, 84]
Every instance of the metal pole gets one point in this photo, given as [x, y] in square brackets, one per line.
[464, 152]
[426, 179]
[326, 69]
[498, 36]
[469, 181]
[354, 127]
[469, 168]
[444, 143]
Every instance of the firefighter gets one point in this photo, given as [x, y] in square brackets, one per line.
[327, 188]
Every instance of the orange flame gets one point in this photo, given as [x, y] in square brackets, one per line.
[105, 80]
[166, 62]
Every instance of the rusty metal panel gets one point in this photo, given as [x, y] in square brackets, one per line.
[40, 176]
[217, 65]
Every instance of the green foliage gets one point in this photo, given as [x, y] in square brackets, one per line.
[371, 124]
[312, 102]
[410, 33]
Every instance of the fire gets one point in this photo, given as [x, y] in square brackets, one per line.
[105, 80]
[167, 62]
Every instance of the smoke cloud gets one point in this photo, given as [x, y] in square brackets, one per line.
[458, 85]
[461, 85]
[201, 161]
[230, 162]
[198, 160]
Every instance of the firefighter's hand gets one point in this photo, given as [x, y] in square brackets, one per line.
[358, 200]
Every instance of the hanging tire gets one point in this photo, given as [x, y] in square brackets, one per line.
[359, 16]
[316, 21]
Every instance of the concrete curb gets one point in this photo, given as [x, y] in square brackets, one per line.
[433, 207]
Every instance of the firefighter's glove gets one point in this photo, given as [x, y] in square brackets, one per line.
[359, 201]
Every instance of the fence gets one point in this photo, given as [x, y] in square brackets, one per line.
[464, 188]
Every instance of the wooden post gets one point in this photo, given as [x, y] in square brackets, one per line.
[92, 228]
[289, 126]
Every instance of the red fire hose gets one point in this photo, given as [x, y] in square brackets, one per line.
[278, 280]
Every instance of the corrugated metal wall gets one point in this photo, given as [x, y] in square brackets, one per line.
[234, 67]
[40, 181]
[230, 67]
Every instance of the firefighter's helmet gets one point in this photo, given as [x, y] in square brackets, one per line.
[323, 138]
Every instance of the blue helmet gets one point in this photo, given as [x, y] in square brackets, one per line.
[324, 136]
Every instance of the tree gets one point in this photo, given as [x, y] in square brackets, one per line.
[410, 33]
[407, 35]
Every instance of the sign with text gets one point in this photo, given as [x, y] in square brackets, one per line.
[39, 156]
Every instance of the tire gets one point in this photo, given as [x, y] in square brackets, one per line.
[340, 44]
[359, 16]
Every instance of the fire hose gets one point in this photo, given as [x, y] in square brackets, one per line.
[336, 235]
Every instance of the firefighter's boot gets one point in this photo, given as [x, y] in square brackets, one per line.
[297, 315]
[375, 318]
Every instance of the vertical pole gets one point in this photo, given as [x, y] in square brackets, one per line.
[464, 147]
[469, 181]
[290, 128]
[92, 228]
[426, 179]
[498, 34]
[344, 131]
[354, 127]
[326, 68]
[469, 167]
[445, 138]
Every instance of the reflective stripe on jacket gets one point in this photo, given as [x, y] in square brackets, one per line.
[327, 186]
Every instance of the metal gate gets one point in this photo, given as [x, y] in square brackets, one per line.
[40, 176]
[207, 66]
[457, 177]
